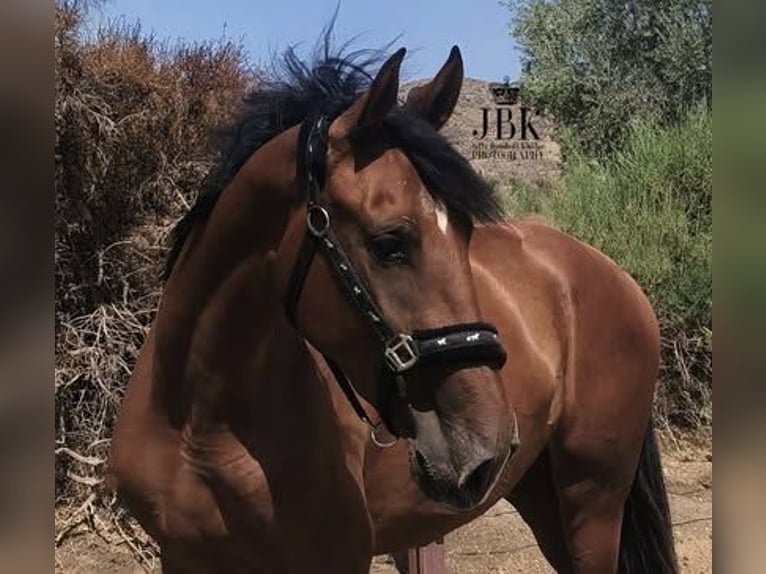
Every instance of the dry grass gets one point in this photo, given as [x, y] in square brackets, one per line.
[133, 123]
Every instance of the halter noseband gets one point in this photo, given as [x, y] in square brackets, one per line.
[464, 343]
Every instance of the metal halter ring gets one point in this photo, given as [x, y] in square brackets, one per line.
[401, 353]
[320, 227]
[373, 429]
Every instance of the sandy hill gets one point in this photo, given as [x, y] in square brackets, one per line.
[520, 156]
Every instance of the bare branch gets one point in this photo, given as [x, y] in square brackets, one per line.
[89, 460]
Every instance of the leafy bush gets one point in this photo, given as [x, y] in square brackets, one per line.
[650, 208]
[597, 65]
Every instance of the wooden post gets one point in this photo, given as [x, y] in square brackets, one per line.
[428, 559]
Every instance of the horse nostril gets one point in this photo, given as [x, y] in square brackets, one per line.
[478, 478]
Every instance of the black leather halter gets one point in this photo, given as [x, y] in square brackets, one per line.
[469, 344]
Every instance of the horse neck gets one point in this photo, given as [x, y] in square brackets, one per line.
[246, 367]
[221, 310]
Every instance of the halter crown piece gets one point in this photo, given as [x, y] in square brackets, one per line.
[470, 344]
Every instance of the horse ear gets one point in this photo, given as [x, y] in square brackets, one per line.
[377, 102]
[436, 100]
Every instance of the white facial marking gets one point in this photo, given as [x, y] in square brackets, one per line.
[430, 206]
[442, 219]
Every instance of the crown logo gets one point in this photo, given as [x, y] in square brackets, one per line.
[506, 94]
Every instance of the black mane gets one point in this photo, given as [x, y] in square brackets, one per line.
[333, 80]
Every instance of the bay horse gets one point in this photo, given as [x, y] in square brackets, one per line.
[355, 353]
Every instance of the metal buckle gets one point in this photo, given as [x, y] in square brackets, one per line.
[401, 353]
[320, 227]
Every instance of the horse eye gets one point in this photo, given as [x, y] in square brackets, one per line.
[390, 249]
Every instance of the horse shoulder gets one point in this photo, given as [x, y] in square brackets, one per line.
[614, 342]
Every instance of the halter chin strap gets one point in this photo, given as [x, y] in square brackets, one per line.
[464, 343]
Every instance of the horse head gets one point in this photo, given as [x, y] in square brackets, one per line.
[378, 277]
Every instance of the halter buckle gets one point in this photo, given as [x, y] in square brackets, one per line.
[317, 220]
[401, 353]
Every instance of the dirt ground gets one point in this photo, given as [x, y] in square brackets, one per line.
[497, 543]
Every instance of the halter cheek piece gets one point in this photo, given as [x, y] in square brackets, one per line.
[469, 344]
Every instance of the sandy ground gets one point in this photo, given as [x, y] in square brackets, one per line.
[497, 543]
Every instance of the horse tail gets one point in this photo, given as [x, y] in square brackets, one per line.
[646, 541]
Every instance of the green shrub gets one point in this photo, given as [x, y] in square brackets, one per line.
[649, 207]
[597, 65]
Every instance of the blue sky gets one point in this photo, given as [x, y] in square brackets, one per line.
[428, 28]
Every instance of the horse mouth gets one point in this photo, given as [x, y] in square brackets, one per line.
[463, 495]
